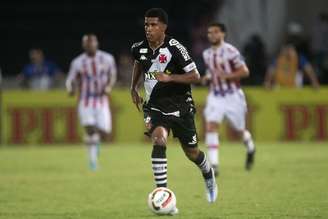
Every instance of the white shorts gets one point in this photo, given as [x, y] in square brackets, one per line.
[231, 106]
[99, 116]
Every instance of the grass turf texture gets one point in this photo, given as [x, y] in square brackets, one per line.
[288, 181]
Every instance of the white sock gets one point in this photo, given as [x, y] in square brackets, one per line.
[93, 153]
[92, 142]
[248, 141]
[212, 142]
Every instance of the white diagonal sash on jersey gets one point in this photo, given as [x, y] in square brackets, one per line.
[156, 66]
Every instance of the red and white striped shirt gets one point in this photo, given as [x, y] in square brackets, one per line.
[223, 60]
[92, 75]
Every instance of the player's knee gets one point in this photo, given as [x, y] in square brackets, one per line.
[90, 130]
[92, 139]
[241, 133]
[159, 136]
[159, 140]
[211, 127]
[245, 135]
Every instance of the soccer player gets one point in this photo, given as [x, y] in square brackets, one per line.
[225, 67]
[168, 72]
[93, 74]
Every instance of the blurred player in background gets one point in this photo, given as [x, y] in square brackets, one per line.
[225, 68]
[93, 74]
[40, 73]
[168, 72]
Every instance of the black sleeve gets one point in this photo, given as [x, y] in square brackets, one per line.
[181, 56]
[201, 65]
[135, 50]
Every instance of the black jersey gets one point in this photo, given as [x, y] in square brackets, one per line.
[171, 58]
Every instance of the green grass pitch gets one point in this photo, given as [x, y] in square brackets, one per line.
[288, 181]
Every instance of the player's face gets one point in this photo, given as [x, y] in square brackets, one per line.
[215, 35]
[36, 56]
[90, 44]
[154, 29]
[289, 52]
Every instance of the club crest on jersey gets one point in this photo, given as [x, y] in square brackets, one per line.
[162, 58]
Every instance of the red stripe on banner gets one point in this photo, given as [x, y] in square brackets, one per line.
[94, 72]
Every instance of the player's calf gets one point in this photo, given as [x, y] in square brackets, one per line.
[159, 165]
[199, 158]
[92, 142]
[158, 156]
[212, 142]
[248, 141]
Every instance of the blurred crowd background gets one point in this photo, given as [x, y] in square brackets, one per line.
[40, 38]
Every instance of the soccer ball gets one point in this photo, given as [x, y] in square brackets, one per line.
[162, 201]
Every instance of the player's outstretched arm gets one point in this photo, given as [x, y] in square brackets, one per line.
[112, 75]
[187, 78]
[72, 75]
[136, 74]
[70, 87]
[205, 79]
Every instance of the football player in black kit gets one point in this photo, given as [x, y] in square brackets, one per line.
[168, 71]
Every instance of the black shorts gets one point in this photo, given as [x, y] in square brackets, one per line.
[182, 127]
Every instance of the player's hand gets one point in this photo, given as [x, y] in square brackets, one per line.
[148, 123]
[162, 77]
[136, 99]
[108, 89]
[223, 76]
[204, 80]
